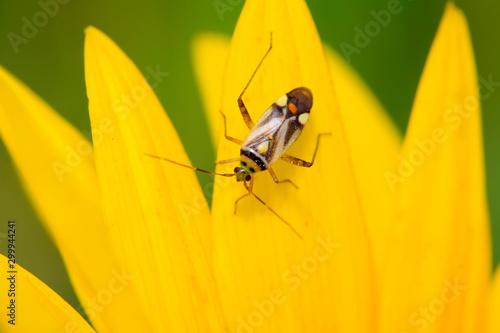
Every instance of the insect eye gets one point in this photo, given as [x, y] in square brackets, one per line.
[252, 170]
[248, 177]
[236, 170]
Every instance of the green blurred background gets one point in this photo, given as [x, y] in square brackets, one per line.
[159, 33]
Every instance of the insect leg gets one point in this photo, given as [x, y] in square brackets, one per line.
[300, 162]
[277, 181]
[249, 188]
[230, 138]
[272, 211]
[241, 105]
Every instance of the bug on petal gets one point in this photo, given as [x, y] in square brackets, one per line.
[269, 139]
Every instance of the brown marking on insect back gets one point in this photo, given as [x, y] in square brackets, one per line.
[302, 99]
[290, 131]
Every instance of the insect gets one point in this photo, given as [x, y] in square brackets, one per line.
[269, 139]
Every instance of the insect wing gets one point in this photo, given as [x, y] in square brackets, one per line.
[286, 135]
[265, 128]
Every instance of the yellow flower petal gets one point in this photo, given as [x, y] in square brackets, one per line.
[155, 211]
[56, 165]
[271, 279]
[209, 59]
[493, 318]
[439, 267]
[374, 143]
[368, 128]
[34, 307]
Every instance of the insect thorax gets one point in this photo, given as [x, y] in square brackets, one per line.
[252, 161]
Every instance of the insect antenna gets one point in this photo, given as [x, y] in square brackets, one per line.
[191, 167]
[272, 211]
